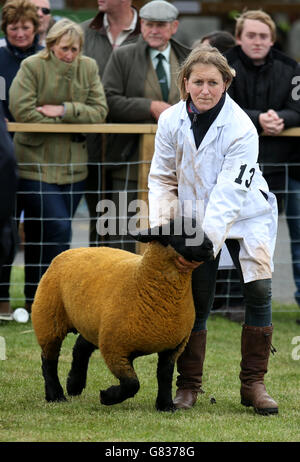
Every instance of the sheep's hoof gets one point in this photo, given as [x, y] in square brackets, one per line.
[74, 387]
[170, 407]
[111, 396]
[55, 399]
[118, 393]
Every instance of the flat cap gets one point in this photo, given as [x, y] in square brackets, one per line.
[159, 10]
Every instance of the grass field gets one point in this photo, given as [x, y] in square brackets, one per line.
[25, 415]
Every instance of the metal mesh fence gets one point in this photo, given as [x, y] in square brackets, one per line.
[80, 226]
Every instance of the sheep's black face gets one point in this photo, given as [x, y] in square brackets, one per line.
[184, 236]
[202, 252]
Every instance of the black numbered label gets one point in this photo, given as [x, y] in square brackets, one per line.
[248, 179]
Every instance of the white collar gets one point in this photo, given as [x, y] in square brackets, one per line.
[131, 26]
[165, 53]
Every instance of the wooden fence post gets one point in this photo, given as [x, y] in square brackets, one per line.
[145, 157]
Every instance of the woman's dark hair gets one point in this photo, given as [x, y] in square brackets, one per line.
[222, 40]
[19, 10]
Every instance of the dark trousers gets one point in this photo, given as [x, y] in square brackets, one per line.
[95, 191]
[293, 221]
[258, 294]
[48, 211]
[118, 182]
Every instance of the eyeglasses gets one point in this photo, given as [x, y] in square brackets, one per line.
[44, 10]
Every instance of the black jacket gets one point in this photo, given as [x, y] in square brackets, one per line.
[11, 58]
[270, 86]
[8, 186]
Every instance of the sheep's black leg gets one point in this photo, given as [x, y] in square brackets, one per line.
[165, 369]
[129, 383]
[82, 351]
[54, 391]
[117, 393]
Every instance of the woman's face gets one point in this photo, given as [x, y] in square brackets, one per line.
[21, 34]
[65, 51]
[205, 86]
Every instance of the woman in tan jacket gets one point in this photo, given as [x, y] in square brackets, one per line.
[58, 85]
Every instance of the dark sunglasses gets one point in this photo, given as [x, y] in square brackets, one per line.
[44, 10]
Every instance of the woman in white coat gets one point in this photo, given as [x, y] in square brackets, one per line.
[205, 158]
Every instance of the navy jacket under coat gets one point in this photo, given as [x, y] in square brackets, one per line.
[10, 62]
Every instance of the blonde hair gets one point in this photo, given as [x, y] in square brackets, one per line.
[19, 10]
[204, 54]
[58, 30]
[257, 15]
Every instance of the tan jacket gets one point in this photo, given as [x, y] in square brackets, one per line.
[52, 157]
[152, 86]
[131, 84]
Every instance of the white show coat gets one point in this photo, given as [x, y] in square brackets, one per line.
[220, 183]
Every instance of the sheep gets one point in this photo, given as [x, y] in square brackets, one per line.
[125, 304]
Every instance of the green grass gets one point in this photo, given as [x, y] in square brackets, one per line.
[26, 416]
[16, 292]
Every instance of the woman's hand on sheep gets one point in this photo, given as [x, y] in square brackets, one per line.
[185, 266]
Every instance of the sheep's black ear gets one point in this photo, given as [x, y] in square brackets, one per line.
[150, 235]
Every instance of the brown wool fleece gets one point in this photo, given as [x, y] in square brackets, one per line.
[119, 301]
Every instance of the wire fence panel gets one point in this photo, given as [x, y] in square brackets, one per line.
[104, 210]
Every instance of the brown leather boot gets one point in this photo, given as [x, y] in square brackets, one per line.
[5, 311]
[256, 346]
[189, 367]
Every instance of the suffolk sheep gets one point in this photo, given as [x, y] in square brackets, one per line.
[126, 305]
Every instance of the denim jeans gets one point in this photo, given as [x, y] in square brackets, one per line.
[293, 221]
[257, 294]
[48, 211]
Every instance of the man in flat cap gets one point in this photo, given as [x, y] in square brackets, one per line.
[140, 83]
[159, 10]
